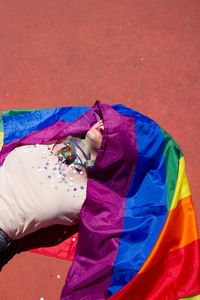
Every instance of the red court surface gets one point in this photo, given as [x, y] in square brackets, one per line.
[143, 54]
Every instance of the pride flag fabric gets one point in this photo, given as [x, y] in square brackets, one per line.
[138, 237]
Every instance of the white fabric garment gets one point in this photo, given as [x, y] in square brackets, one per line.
[37, 191]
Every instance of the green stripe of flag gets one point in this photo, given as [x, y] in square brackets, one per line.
[15, 111]
[172, 154]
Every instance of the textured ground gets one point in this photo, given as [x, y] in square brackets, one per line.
[143, 54]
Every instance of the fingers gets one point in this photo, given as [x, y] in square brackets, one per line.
[100, 122]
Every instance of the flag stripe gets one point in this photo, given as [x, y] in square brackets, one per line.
[172, 154]
[195, 297]
[37, 120]
[10, 112]
[182, 189]
[179, 230]
[1, 133]
[171, 278]
[1, 140]
[145, 200]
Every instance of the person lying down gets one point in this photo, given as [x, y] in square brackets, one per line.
[44, 185]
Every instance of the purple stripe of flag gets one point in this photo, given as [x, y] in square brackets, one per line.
[102, 213]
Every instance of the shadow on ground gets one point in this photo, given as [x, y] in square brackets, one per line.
[46, 237]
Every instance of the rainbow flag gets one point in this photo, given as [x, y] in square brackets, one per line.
[138, 236]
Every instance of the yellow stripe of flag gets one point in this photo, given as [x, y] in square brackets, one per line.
[182, 189]
[1, 140]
